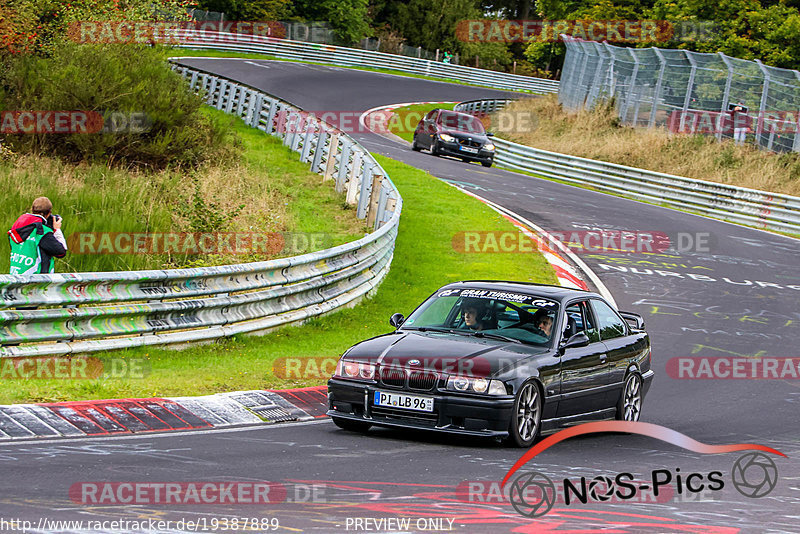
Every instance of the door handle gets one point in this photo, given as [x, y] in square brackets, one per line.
[603, 358]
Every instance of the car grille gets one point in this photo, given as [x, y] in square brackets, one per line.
[412, 380]
[393, 377]
[467, 142]
[421, 380]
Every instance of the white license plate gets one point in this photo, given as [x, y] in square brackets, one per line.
[401, 400]
[470, 150]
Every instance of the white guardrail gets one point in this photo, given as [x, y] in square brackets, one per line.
[750, 207]
[353, 57]
[89, 312]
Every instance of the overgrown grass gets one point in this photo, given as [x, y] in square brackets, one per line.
[405, 119]
[279, 193]
[598, 135]
[424, 259]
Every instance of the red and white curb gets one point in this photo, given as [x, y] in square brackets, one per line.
[134, 416]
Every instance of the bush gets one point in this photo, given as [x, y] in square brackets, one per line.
[120, 79]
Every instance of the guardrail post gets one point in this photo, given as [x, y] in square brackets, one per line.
[222, 88]
[352, 184]
[273, 109]
[308, 139]
[245, 96]
[374, 196]
[212, 87]
[363, 195]
[233, 89]
[343, 162]
[302, 125]
[330, 164]
[254, 110]
[193, 80]
[319, 150]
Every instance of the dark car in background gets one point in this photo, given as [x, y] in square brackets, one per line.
[503, 360]
[450, 133]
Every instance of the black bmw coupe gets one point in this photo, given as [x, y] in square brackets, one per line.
[504, 360]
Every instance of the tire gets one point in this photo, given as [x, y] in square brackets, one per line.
[629, 406]
[435, 148]
[486, 163]
[414, 146]
[352, 426]
[527, 414]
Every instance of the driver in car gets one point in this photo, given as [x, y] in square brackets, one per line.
[543, 321]
[472, 313]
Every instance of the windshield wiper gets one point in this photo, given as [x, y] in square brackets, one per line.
[496, 336]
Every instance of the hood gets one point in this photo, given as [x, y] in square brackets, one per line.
[442, 352]
[480, 137]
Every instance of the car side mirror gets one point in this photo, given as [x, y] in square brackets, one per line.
[489, 134]
[396, 320]
[576, 340]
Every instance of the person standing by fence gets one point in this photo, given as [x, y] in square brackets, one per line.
[36, 239]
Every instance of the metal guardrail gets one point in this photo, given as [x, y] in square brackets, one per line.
[751, 207]
[337, 55]
[113, 310]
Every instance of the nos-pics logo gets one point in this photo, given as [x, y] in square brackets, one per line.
[533, 494]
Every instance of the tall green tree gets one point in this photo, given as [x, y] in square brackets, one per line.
[348, 18]
[253, 10]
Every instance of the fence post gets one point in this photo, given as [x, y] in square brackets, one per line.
[726, 96]
[308, 139]
[763, 105]
[659, 85]
[688, 98]
[233, 89]
[796, 140]
[254, 110]
[624, 111]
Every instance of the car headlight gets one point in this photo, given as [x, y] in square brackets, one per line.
[476, 385]
[488, 146]
[447, 138]
[358, 370]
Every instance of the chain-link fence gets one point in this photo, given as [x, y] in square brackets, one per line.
[686, 92]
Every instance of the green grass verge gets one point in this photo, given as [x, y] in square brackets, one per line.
[424, 259]
[280, 194]
[405, 119]
[178, 52]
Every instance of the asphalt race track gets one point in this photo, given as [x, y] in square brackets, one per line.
[737, 304]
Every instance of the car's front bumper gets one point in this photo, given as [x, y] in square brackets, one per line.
[476, 416]
[456, 150]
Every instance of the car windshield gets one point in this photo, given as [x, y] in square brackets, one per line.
[461, 122]
[487, 313]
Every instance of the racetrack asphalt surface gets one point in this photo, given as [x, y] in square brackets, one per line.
[393, 474]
